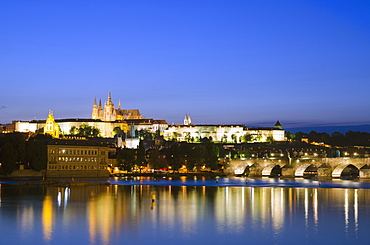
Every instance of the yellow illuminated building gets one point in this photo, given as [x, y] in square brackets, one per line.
[51, 127]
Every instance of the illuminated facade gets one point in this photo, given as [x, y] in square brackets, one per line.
[51, 127]
[65, 125]
[77, 161]
[224, 133]
[108, 118]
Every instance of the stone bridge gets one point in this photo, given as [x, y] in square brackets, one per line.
[339, 167]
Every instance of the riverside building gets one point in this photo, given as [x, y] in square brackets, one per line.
[77, 159]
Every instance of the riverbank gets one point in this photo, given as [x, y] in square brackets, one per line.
[55, 183]
[175, 175]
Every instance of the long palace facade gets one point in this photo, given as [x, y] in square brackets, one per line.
[107, 118]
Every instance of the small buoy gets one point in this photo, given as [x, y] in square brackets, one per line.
[319, 182]
[246, 181]
[153, 196]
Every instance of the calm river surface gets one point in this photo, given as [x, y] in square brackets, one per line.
[188, 211]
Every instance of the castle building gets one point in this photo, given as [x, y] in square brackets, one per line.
[108, 118]
[223, 133]
[109, 113]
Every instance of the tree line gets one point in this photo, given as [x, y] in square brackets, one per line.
[350, 138]
[16, 150]
[194, 157]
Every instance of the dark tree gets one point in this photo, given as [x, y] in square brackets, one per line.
[126, 158]
[140, 155]
[8, 158]
[37, 155]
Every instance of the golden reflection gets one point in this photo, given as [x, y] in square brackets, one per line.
[277, 210]
[306, 207]
[123, 210]
[91, 211]
[47, 218]
[346, 210]
[355, 210]
[315, 208]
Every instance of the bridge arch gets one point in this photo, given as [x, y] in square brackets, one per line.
[272, 170]
[305, 169]
[345, 170]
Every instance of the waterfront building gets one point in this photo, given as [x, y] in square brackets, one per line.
[76, 159]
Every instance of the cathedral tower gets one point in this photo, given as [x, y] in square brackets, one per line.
[109, 111]
[187, 120]
[95, 110]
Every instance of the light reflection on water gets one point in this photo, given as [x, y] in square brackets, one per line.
[119, 214]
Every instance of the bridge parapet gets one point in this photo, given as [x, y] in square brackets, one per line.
[322, 167]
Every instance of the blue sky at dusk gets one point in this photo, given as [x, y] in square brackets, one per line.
[222, 62]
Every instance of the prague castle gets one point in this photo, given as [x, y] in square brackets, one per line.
[108, 118]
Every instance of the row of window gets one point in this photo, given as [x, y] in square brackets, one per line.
[53, 160]
[76, 167]
[76, 152]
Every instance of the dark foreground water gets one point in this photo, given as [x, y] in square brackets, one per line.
[187, 213]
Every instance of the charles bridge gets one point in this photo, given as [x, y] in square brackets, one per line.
[305, 166]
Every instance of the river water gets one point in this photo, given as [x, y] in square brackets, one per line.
[188, 211]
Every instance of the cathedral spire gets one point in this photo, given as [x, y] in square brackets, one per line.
[187, 119]
[95, 101]
[119, 104]
[109, 102]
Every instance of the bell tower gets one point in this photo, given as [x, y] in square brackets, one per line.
[51, 127]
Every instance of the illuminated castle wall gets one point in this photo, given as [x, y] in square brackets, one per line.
[107, 118]
[223, 133]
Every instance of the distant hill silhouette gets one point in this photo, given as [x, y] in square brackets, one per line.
[330, 129]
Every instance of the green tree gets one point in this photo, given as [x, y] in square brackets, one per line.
[247, 138]
[73, 130]
[234, 138]
[145, 135]
[117, 130]
[85, 130]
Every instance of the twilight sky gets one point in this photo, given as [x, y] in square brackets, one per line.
[223, 62]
